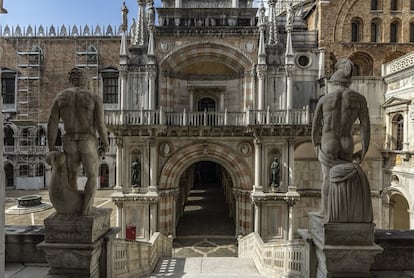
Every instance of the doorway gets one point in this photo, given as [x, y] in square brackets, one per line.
[205, 205]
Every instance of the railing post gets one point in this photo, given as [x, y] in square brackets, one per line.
[268, 115]
[225, 116]
[162, 116]
[184, 118]
[205, 117]
[248, 117]
[141, 118]
[308, 115]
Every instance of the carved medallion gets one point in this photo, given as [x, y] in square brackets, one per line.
[166, 149]
[249, 47]
[245, 148]
[164, 47]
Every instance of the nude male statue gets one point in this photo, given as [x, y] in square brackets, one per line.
[333, 122]
[82, 114]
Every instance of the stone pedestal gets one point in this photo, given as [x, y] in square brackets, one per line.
[76, 246]
[343, 249]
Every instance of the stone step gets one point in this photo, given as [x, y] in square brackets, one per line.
[205, 267]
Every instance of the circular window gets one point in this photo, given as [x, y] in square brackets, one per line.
[303, 61]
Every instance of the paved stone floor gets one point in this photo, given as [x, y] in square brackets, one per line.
[102, 199]
[205, 229]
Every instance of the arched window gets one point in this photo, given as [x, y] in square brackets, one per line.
[400, 212]
[395, 5]
[9, 174]
[356, 30]
[398, 131]
[374, 5]
[411, 31]
[40, 139]
[8, 136]
[24, 170]
[207, 104]
[376, 30]
[394, 31]
[363, 64]
[40, 170]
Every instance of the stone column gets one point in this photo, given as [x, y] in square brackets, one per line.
[291, 163]
[261, 74]
[152, 73]
[234, 3]
[178, 4]
[153, 218]
[257, 165]
[411, 214]
[257, 217]
[123, 89]
[405, 135]
[119, 163]
[153, 171]
[120, 218]
[388, 127]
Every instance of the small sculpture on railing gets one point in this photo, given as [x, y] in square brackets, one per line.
[275, 170]
[136, 173]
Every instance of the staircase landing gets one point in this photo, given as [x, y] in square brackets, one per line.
[205, 267]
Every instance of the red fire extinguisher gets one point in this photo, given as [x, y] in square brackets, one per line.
[131, 231]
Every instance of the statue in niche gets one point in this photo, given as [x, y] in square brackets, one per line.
[82, 114]
[275, 170]
[136, 173]
[345, 192]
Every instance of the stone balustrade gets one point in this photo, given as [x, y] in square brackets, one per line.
[135, 258]
[251, 117]
[399, 64]
[276, 259]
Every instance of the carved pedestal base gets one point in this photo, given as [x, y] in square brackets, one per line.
[77, 246]
[343, 249]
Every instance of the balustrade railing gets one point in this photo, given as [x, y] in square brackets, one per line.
[276, 259]
[251, 117]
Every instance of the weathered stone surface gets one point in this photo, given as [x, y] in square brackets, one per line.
[343, 249]
[77, 229]
[340, 233]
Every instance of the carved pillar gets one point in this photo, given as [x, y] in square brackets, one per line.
[141, 29]
[261, 74]
[257, 165]
[178, 4]
[411, 214]
[321, 71]
[123, 75]
[273, 32]
[235, 3]
[153, 164]
[152, 73]
[120, 218]
[388, 126]
[291, 162]
[153, 219]
[405, 135]
[119, 162]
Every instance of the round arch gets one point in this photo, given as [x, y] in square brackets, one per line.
[363, 63]
[177, 164]
[398, 214]
[188, 155]
[221, 53]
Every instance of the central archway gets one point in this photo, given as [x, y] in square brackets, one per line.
[205, 204]
[185, 157]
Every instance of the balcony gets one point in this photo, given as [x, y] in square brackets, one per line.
[212, 119]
